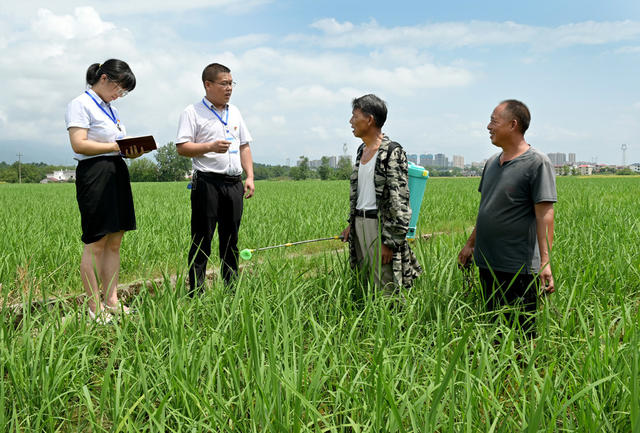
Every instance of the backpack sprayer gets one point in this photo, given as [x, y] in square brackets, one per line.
[417, 182]
[247, 253]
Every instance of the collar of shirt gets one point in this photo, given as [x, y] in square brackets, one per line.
[98, 98]
[213, 107]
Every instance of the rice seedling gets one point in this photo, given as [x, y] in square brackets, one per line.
[295, 348]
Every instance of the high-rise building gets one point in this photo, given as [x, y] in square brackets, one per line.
[458, 161]
[413, 158]
[557, 158]
[572, 158]
[440, 160]
[428, 160]
[423, 160]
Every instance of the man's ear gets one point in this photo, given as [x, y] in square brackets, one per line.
[371, 121]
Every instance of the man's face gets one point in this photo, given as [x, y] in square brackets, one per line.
[219, 91]
[360, 122]
[501, 127]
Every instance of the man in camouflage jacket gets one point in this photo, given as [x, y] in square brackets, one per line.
[390, 180]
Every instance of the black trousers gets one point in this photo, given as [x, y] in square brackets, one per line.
[518, 291]
[215, 200]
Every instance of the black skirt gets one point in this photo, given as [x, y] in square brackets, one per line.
[104, 197]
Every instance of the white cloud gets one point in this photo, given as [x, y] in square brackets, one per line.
[278, 120]
[346, 71]
[470, 34]
[84, 23]
[628, 50]
[123, 7]
[244, 41]
[296, 98]
[553, 133]
[332, 27]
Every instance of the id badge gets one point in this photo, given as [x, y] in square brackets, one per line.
[232, 147]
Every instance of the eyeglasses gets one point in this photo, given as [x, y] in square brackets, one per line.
[226, 83]
[121, 92]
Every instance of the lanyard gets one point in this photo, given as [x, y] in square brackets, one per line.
[225, 121]
[112, 116]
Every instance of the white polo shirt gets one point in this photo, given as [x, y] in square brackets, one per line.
[198, 124]
[83, 112]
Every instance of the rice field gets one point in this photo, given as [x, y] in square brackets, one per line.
[296, 347]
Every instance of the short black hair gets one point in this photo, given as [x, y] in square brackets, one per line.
[519, 111]
[116, 70]
[211, 71]
[372, 105]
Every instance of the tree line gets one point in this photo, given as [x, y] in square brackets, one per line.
[166, 165]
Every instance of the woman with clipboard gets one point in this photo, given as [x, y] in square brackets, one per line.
[103, 189]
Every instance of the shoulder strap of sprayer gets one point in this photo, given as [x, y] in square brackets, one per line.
[392, 146]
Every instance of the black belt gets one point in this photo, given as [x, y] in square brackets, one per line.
[208, 175]
[367, 213]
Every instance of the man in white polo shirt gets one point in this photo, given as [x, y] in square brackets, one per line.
[213, 133]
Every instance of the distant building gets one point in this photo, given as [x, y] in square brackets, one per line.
[458, 161]
[635, 167]
[572, 159]
[427, 161]
[60, 176]
[316, 163]
[557, 158]
[440, 160]
[480, 164]
[413, 158]
[585, 169]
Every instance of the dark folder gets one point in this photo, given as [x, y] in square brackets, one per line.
[146, 142]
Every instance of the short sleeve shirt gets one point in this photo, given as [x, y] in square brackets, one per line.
[506, 235]
[83, 112]
[199, 124]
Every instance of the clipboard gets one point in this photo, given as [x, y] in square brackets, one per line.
[147, 143]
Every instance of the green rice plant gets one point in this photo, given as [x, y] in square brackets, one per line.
[296, 346]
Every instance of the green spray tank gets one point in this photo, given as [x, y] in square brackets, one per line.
[417, 183]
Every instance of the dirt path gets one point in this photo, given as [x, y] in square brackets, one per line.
[127, 291]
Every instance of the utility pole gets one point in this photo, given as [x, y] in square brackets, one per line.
[19, 168]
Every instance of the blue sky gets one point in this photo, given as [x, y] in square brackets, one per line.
[441, 66]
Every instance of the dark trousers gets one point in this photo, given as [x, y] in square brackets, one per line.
[518, 291]
[215, 200]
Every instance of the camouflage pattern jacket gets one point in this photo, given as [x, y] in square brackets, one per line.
[391, 181]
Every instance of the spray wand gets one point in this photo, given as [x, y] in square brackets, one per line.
[247, 253]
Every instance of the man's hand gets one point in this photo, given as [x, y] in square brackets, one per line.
[466, 253]
[345, 233]
[464, 256]
[387, 254]
[219, 146]
[249, 188]
[547, 285]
